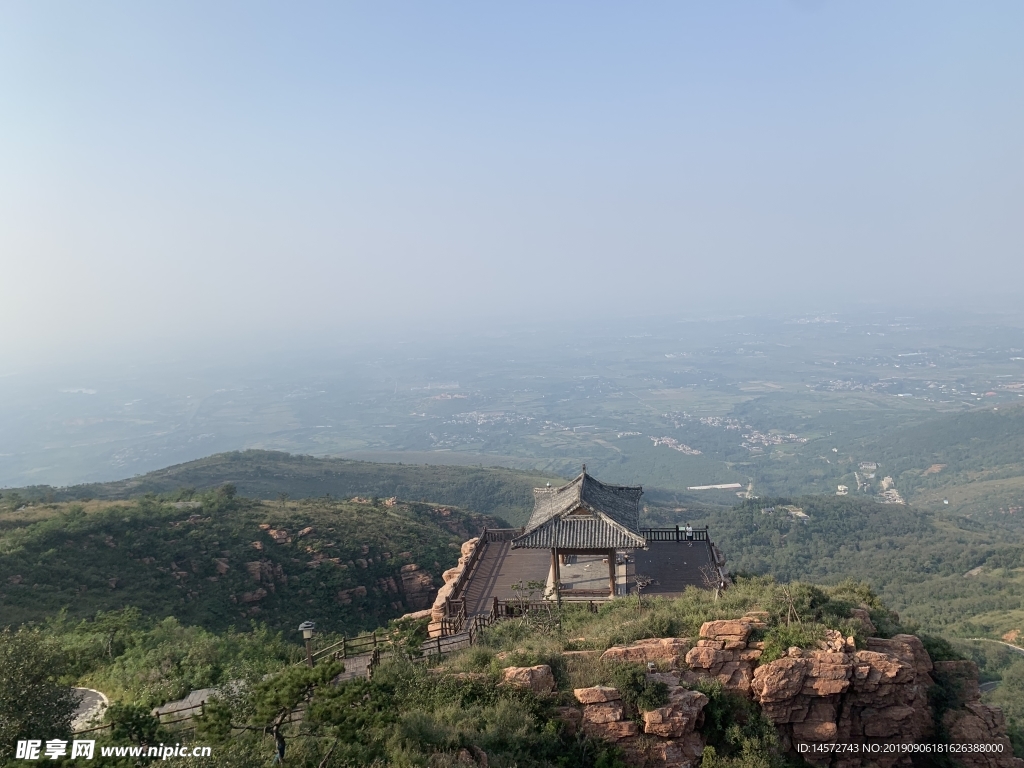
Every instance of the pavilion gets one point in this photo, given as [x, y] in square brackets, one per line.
[584, 517]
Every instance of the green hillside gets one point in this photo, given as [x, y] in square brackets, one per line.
[915, 559]
[503, 493]
[339, 563]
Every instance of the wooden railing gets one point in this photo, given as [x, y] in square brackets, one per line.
[346, 647]
[576, 594]
[674, 534]
[500, 534]
[455, 603]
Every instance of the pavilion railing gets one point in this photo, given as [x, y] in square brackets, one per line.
[675, 534]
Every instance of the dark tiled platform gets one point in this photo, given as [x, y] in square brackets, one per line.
[674, 566]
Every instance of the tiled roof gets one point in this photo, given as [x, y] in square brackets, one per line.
[580, 532]
[584, 514]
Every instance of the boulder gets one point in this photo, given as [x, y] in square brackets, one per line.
[664, 650]
[609, 712]
[645, 752]
[734, 632]
[598, 694]
[679, 716]
[538, 678]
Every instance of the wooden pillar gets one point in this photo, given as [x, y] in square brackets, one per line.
[556, 573]
[611, 571]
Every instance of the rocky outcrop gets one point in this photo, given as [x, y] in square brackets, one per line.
[972, 722]
[834, 694]
[667, 652]
[417, 586]
[677, 718]
[450, 577]
[862, 615]
[265, 572]
[670, 738]
[722, 652]
[346, 596]
[872, 697]
[538, 679]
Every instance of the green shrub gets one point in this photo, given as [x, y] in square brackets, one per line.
[738, 734]
[638, 693]
[778, 639]
[940, 649]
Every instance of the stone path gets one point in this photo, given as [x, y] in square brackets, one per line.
[90, 708]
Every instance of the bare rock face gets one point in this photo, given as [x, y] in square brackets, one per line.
[973, 722]
[450, 576]
[253, 597]
[871, 696]
[417, 586]
[538, 679]
[837, 694]
[734, 667]
[723, 653]
[670, 651]
[684, 752]
[346, 596]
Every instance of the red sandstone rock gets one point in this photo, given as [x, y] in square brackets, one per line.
[597, 694]
[733, 667]
[679, 716]
[714, 630]
[609, 712]
[863, 616]
[780, 680]
[611, 731]
[538, 679]
[667, 650]
[684, 752]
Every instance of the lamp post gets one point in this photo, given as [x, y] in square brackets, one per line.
[306, 628]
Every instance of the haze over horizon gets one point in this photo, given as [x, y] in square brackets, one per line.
[192, 171]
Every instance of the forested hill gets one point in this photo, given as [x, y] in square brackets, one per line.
[222, 561]
[502, 493]
[976, 440]
[953, 575]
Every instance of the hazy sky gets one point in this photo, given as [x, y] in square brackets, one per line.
[193, 169]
